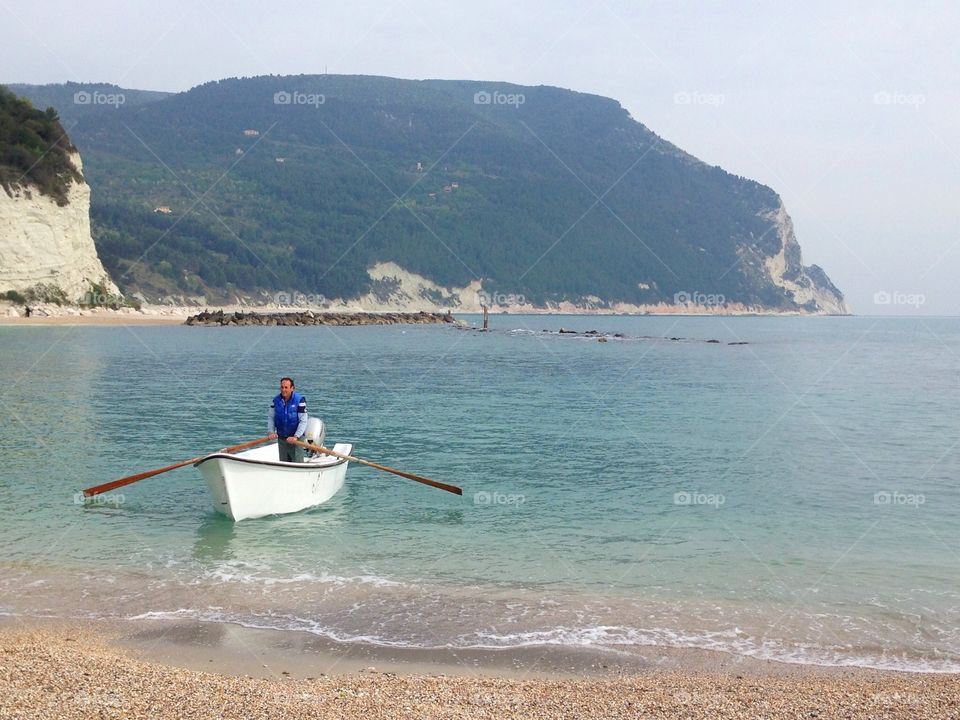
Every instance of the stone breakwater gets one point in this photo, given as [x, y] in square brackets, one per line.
[42, 243]
[309, 317]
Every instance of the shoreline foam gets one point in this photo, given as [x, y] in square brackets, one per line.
[568, 659]
[67, 670]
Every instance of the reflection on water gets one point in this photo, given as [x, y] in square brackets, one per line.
[214, 537]
[220, 538]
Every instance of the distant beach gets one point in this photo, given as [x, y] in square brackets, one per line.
[51, 314]
[221, 317]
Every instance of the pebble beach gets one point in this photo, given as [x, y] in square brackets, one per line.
[62, 671]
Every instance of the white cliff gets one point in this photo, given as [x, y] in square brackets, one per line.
[397, 289]
[42, 243]
[809, 287]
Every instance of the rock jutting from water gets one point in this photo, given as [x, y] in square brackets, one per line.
[604, 337]
[309, 317]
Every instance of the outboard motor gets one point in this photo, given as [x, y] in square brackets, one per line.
[316, 431]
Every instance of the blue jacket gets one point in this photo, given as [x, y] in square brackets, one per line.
[288, 416]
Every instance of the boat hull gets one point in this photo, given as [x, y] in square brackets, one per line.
[255, 483]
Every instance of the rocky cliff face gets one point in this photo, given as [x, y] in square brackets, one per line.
[808, 286]
[44, 244]
[774, 258]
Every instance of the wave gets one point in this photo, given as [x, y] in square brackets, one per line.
[248, 573]
[619, 640]
[365, 608]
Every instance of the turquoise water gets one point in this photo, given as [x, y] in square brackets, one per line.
[793, 498]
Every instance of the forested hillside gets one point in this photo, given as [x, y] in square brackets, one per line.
[302, 183]
[34, 149]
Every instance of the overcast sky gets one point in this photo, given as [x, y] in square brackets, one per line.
[850, 111]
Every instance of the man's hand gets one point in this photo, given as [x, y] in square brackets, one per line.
[272, 436]
[291, 439]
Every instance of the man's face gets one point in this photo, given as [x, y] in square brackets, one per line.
[286, 389]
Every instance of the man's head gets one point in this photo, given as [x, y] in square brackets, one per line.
[286, 388]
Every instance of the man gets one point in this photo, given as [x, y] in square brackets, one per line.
[287, 421]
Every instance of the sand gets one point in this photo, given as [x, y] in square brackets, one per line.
[59, 670]
[95, 319]
[52, 315]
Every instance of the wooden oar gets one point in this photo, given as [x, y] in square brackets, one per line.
[97, 489]
[410, 476]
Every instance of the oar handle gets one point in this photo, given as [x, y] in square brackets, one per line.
[410, 476]
[130, 479]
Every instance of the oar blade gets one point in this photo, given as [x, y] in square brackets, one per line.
[409, 476]
[416, 478]
[130, 479]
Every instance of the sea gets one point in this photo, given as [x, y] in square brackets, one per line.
[783, 488]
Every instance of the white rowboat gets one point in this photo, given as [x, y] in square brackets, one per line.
[254, 483]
